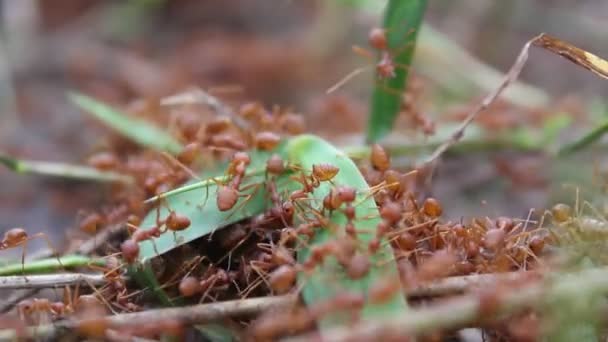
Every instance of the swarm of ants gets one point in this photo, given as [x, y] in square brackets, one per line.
[257, 256]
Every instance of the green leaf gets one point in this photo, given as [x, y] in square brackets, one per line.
[197, 201]
[49, 265]
[53, 169]
[583, 142]
[325, 281]
[402, 20]
[140, 131]
[328, 280]
[217, 332]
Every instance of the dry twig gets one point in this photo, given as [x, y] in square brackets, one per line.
[186, 315]
[88, 247]
[460, 311]
[43, 281]
[510, 77]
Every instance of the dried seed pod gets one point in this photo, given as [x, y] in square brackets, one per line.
[189, 286]
[380, 158]
[130, 250]
[275, 165]
[176, 222]
[377, 38]
[266, 140]
[282, 279]
[561, 212]
[432, 207]
[226, 198]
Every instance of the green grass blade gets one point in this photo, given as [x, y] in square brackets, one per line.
[50, 264]
[63, 170]
[140, 131]
[402, 19]
[328, 280]
[217, 332]
[588, 139]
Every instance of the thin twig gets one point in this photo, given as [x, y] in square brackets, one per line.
[464, 310]
[445, 314]
[43, 281]
[442, 287]
[510, 77]
[186, 315]
[461, 284]
[199, 96]
[88, 247]
[91, 245]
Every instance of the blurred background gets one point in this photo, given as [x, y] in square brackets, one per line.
[290, 53]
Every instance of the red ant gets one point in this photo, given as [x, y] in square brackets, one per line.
[16, 237]
[39, 306]
[385, 68]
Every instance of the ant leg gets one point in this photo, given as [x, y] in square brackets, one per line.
[351, 75]
[50, 245]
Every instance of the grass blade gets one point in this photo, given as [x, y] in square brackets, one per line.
[140, 131]
[61, 170]
[588, 139]
[50, 265]
[329, 279]
[402, 20]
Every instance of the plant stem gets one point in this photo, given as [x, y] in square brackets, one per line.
[42, 281]
[187, 315]
[469, 145]
[62, 170]
[50, 264]
[467, 309]
[88, 247]
[447, 314]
